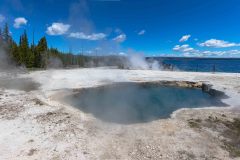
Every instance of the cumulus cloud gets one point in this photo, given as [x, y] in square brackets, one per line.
[2, 18]
[142, 32]
[58, 29]
[185, 38]
[20, 21]
[91, 37]
[188, 51]
[218, 43]
[121, 38]
[184, 48]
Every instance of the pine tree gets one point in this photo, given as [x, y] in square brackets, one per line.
[41, 55]
[24, 50]
[31, 59]
[15, 53]
[34, 56]
[5, 34]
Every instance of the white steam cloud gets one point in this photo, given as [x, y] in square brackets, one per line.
[138, 61]
[3, 59]
[54, 63]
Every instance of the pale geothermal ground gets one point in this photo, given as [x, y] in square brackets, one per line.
[35, 126]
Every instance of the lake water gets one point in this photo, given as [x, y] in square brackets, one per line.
[127, 103]
[203, 64]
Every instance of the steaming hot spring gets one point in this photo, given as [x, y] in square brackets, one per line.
[127, 103]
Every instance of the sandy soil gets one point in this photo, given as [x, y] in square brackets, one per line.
[35, 126]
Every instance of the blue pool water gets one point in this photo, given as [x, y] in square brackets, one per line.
[127, 103]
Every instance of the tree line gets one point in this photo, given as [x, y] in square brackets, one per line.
[36, 56]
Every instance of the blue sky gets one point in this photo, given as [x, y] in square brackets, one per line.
[209, 28]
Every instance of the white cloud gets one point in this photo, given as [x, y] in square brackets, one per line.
[2, 18]
[91, 37]
[188, 51]
[218, 44]
[234, 52]
[185, 38]
[122, 54]
[20, 21]
[142, 32]
[229, 53]
[184, 48]
[121, 38]
[57, 29]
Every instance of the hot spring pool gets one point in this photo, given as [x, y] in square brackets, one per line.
[127, 103]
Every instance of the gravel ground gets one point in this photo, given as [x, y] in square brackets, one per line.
[33, 125]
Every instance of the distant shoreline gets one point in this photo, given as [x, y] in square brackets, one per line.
[213, 58]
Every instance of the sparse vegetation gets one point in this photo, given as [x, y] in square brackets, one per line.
[194, 123]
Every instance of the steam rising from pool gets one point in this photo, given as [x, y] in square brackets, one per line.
[127, 103]
[23, 84]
